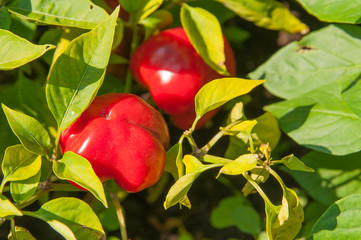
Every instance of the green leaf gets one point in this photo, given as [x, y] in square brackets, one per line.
[78, 72]
[340, 221]
[71, 217]
[16, 51]
[77, 169]
[24, 189]
[240, 165]
[19, 164]
[30, 132]
[335, 176]
[178, 192]
[268, 14]
[51, 36]
[217, 92]
[205, 34]
[236, 211]
[330, 11]
[5, 18]
[321, 82]
[22, 27]
[7, 208]
[267, 129]
[259, 175]
[171, 161]
[21, 234]
[294, 163]
[140, 9]
[80, 13]
[246, 126]
[29, 97]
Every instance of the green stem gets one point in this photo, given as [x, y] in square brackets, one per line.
[215, 159]
[194, 124]
[251, 146]
[218, 136]
[120, 214]
[63, 187]
[278, 178]
[191, 141]
[133, 46]
[13, 232]
[258, 188]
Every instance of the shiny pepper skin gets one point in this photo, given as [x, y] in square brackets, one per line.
[123, 138]
[169, 66]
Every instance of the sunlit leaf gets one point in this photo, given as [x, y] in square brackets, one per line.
[16, 51]
[217, 92]
[340, 221]
[245, 126]
[7, 208]
[77, 169]
[19, 164]
[294, 163]
[79, 13]
[179, 190]
[329, 11]
[269, 14]
[21, 234]
[78, 72]
[71, 217]
[205, 34]
[30, 132]
[320, 80]
[24, 189]
[242, 164]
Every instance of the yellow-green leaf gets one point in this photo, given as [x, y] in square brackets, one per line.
[205, 34]
[270, 14]
[242, 164]
[245, 126]
[218, 92]
[294, 163]
[7, 208]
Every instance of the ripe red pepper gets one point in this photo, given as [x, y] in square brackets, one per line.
[169, 66]
[123, 138]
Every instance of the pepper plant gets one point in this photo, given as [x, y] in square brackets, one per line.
[57, 56]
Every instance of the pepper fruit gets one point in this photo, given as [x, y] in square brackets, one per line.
[123, 138]
[169, 66]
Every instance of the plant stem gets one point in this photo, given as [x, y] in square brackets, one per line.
[218, 136]
[258, 188]
[13, 232]
[63, 187]
[120, 214]
[215, 159]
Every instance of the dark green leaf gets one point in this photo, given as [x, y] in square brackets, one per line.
[71, 217]
[22, 27]
[80, 13]
[7, 208]
[267, 129]
[340, 221]
[30, 132]
[78, 72]
[329, 11]
[335, 176]
[269, 14]
[320, 79]
[77, 169]
[205, 34]
[171, 161]
[5, 18]
[236, 211]
[140, 9]
[19, 164]
[16, 51]
[294, 163]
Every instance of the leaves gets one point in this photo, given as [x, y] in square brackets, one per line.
[16, 51]
[340, 221]
[205, 34]
[236, 211]
[7, 208]
[330, 11]
[77, 169]
[320, 82]
[19, 164]
[30, 132]
[242, 164]
[171, 160]
[80, 13]
[71, 217]
[217, 92]
[179, 190]
[79, 71]
[269, 14]
[140, 9]
[21, 234]
[335, 176]
[294, 163]
[24, 189]
[5, 18]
